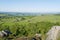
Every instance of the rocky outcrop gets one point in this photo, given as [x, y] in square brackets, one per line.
[53, 33]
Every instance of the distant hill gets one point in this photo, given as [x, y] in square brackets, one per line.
[19, 14]
[26, 13]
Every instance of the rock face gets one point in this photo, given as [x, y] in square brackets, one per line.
[53, 33]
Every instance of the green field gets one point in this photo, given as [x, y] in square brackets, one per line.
[28, 25]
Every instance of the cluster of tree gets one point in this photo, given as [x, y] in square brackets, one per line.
[28, 29]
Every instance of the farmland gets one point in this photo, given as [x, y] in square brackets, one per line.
[28, 26]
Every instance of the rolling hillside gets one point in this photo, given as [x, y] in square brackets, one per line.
[46, 18]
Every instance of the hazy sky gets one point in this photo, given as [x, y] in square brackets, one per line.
[30, 5]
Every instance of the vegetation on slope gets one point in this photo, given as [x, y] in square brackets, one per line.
[28, 25]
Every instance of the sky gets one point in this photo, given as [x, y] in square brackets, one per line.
[30, 5]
